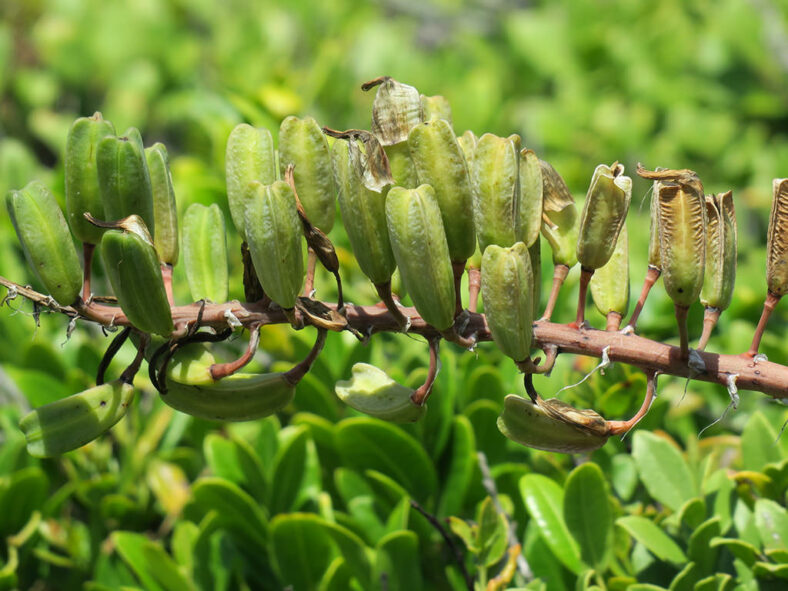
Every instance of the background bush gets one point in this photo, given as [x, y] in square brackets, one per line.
[171, 502]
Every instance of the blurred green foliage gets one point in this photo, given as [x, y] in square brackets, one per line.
[319, 497]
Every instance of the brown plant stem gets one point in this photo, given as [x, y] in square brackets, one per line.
[613, 321]
[768, 308]
[222, 370]
[474, 286]
[166, 276]
[710, 317]
[652, 275]
[87, 259]
[423, 392]
[623, 427]
[458, 268]
[767, 377]
[110, 353]
[585, 278]
[559, 275]
[299, 370]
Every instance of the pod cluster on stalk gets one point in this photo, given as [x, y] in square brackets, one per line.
[412, 195]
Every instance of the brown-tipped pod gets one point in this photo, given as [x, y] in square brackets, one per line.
[777, 241]
[560, 223]
[439, 163]
[422, 253]
[507, 293]
[604, 213]
[495, 178]
[721, 247]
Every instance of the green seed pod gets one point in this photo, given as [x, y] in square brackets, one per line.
[604, 212]
[165, 211]
[273, 231]
[302, 143]
[205, 252]
[777, 241]
[535, 253]
[374, 393]
[135, 275]
[124, 180]
[560, 223]
[552, 425]
[682, 242]
[46, 241]
[81, 176]
[237, 397]
[395, 111]
[495, 174]
[721, 247]
[654, 259]
[363, 212]
[422, 254]
[69, 423]
[250, 157]
[507, 292]
[468, 142]
[435, 107]
[529, 220]
[439, 163]
[610, 283]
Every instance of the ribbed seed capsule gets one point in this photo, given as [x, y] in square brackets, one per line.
[435, 107]
[81, 175]
[363, 212]
[535, 253]
[273, 231]
[124, 179]
[529, 219]
[682, 242]
[205, 252]
[777, 241]
[439, 163]
[610, 283]
[46, 241]
[560, 223]
[721, 246]
[250, 157]
[69, 423]
[165, 211]
[507, 292]
[422, 254]
[468, 142]
[302, 143]
[373, 392]
[604, 213]
[654, 259]
[135, 275]
[495, 174]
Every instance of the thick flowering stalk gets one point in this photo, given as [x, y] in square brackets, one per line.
[604, 213]
[776, 259]
[721, 248]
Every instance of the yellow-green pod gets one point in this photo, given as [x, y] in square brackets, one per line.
[81, 176]
[46, 241]
[403, 169]
[560, 223]
[135, 275]
[250, 157]
[205, 252]
[468, 142]
[124, 180]
[274, 235]
[363, 212]
[682, 242]
[610, 284]
[777, 241]
[435, 107]
[721, 248]
[552, 425]
[654, 260]
[535, 252]
[69, 423]
[165, 211]
[439, 163]
[374, 393]
[529, 220]
[507, 292]
[302, 143]
[495, 174]
[604, 213]
[422, 253]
